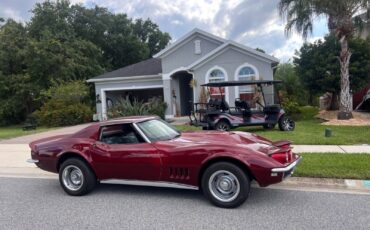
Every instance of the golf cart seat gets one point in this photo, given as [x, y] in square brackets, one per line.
[241, 105]
[213, 102]
[224, 105]
[218, 104]
[268, 109]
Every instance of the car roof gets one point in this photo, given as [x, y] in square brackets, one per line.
[238, 83]
[123, 120]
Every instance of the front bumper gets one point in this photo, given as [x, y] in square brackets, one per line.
[32, 161]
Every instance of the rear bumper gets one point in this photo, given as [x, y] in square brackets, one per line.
[288, 168]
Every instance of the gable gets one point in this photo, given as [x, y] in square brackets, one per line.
[238, 48]
[186, 53]
[184, 39]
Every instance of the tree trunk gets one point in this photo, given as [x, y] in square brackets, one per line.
[345, 109]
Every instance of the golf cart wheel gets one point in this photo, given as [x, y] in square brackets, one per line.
[286, 124]
[269, 126]
[223, 126]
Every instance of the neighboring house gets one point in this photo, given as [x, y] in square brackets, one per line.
[198, 55]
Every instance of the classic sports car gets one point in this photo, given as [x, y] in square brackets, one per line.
[132, 149]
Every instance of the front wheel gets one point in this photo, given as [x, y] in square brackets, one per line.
[225, 185]
[286, 124]
[76, 178]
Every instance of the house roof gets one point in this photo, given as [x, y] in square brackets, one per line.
[149, 67]
[153, 67]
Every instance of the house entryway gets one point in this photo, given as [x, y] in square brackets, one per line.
[182, 93]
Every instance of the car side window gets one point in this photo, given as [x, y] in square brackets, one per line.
[120, 134]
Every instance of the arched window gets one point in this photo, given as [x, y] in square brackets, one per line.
[246, 92]
[216, 75]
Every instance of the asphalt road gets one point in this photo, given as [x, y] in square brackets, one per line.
[41, 204]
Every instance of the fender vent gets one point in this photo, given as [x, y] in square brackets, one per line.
[179, 173]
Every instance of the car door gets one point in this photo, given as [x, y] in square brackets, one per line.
[119, 155]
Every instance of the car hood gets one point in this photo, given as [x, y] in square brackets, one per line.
[217, 139]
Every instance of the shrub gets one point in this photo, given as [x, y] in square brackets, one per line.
[65, 105]
[157, 106]
[290, 106]
[123, 107]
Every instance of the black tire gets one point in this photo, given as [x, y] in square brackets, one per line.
[205, 128]
[269, 126]
[286, 124]
[222, 126]
[79, 169]
[228, 170]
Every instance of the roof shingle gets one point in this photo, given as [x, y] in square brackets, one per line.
[152, 66]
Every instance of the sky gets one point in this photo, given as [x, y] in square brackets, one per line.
[249, 22]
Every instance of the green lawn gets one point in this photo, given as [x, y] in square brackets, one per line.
[334, 165]
[16, 131]
[310, 131]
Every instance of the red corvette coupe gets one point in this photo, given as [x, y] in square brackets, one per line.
[221, 164]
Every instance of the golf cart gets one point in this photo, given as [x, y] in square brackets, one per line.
[216, 114]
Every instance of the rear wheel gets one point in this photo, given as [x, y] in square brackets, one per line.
[286, 124]
[225, 185]
[76, 178]
[223, 126]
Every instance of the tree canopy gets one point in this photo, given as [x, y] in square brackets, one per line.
[319, 70]
[342, 22]
[66, 42]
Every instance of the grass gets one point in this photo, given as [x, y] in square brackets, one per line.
[334, 165]
[309, 131]
[16, 131]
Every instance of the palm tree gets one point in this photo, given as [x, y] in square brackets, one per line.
[341, 21]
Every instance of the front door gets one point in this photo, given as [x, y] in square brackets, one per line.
[121, 153]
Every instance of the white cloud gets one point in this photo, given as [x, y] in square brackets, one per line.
[252, 23]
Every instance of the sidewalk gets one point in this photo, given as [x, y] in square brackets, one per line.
[332, 148]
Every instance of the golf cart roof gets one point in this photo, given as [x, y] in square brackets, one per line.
[238, 83]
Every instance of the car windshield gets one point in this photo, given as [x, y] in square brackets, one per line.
[158, 130]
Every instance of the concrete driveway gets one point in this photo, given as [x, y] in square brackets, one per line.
[29, 138]
[14, 153]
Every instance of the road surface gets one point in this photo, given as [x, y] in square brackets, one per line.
[42, 204]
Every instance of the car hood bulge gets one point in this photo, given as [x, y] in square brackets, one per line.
[222, 140]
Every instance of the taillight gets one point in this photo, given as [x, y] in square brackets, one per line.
[283, 157]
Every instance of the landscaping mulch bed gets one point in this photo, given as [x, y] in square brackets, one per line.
[330, 118]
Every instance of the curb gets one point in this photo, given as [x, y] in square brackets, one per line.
[325, 184]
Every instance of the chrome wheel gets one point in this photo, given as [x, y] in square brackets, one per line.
[287, 124]
[222, 126]
[72, 178]
[224, 186]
